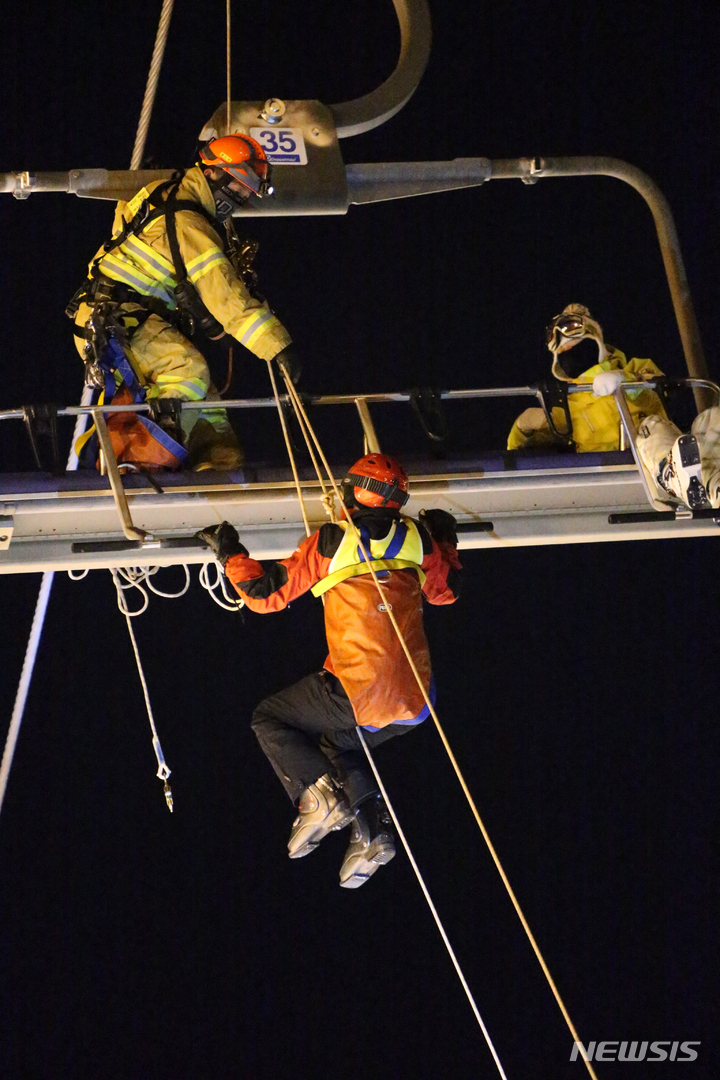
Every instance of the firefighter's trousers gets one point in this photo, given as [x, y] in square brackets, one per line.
[172, 367]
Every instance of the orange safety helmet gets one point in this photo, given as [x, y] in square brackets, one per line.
[242, 158]
[376, 480]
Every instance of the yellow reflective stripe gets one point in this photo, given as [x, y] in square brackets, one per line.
[202, 264]
[355, 569]
[255, 325]
[194, 389]
[121, 270]
[148, 257]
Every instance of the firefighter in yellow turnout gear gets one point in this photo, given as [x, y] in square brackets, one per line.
[166, 270]
[580, 355]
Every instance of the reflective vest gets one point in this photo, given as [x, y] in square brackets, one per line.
[401, 549]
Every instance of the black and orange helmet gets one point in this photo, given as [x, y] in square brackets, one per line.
[242, 158]
[376, 480]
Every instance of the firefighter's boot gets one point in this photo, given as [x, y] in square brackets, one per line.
[372, 843]
[323, 809]
[213, 446]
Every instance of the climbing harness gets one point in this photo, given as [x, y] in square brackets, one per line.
[136, 438]
[300, 410]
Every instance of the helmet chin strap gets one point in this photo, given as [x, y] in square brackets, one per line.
[226, 200]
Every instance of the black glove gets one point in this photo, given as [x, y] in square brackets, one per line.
[290, 364]
[440, 525]
[166, 413]
[224, 541]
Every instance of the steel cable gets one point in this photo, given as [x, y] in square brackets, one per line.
[152, 81]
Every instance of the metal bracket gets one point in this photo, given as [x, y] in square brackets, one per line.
[531, 168]
[427, 405]
[131, 531]
[24, 183]
[557, 392]
[41, 420]
[7, 526]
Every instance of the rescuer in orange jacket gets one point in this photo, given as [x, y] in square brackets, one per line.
[308, 732]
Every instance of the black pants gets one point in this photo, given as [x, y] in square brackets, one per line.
[310, 729]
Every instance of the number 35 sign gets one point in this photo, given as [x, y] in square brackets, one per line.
[283, 146]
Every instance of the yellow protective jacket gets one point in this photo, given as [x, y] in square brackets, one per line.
[144, 263]
[595, 420]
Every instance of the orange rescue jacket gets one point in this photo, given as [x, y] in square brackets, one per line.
[364, 650]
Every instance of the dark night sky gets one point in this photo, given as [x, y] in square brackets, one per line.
[577, 684]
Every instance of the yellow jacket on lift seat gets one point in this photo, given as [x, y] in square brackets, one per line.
[595, 420]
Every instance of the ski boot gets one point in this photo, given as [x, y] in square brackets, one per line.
[323, 809]
[372, 843]
[680, 473]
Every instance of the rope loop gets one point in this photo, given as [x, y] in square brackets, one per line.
[230, 602]
[328, 501]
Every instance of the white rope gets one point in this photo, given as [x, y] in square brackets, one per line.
[234, 603]
[123, 588]
[431, 905]
[152, 81]
[163, 771]
[139, 577]
[25, 679]
[36, 629]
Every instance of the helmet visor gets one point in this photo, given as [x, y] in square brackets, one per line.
[569, 326]
[254, 175]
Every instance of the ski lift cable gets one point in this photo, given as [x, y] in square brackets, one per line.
[152, 81]
[433, 909]
[300, 410]
[36, 629]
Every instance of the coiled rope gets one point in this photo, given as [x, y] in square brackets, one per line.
[300, 411]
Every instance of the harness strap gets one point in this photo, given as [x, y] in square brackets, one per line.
[401, 531]
[355, 569]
